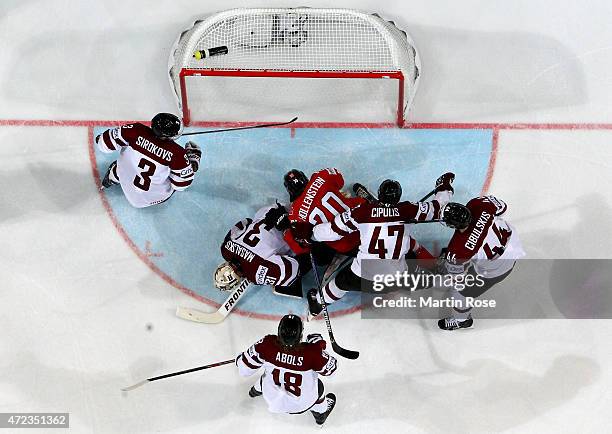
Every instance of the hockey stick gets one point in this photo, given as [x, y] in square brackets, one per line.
[196, 315]
[337, 263]
[242, 128]
[428, 195]
[361, 191]
[348, 354]
[186, 371]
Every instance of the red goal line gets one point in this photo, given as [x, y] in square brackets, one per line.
[413, 125]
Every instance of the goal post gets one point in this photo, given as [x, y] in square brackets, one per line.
[322, 65]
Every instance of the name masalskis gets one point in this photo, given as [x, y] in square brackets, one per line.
[243, 252]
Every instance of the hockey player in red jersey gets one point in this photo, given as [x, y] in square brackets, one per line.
[151, 165]
[484, 244]
[290, 383]
[318, 200]
[384, 231]
[255, 250]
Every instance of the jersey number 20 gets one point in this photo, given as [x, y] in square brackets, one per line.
[332, 203]
[143, 180]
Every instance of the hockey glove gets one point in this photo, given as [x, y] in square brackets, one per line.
[302, 232]
[316, 338]
[441, 262]
[277, 217]
[363, 192]
[444, 182]
[193, 153]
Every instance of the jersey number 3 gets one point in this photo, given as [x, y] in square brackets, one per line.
[143, 180]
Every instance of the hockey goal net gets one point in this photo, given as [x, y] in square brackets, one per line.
[323, 65]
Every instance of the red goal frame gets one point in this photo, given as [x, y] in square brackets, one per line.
[394, 75]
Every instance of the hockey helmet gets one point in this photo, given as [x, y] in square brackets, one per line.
[295, 182]
[456, 216]
[389, 192]
[226, 277]
[290, 329]
[166, 126]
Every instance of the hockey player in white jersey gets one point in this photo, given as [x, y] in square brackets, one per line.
[290, 382]
[385, 234]
[484, 244]
[151, 165]
[255, 249]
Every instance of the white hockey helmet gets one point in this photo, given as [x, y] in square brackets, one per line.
[226, 277]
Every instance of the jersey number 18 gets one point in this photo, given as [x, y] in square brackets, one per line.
[290, 381]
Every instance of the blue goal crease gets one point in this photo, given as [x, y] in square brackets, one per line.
[242, 171]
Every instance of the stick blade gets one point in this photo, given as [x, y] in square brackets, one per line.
[134, 386]
[196, 315]
[347, 354]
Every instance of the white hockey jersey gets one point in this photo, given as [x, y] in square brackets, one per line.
[263, 255]
[384, 231]
[290, 383]
[150, 169]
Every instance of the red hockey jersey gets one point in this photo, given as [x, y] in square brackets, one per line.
[320, 202]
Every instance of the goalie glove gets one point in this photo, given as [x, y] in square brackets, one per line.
[193, 153]
[444, 182]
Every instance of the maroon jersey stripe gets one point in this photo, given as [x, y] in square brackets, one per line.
[349, 224]
[337, 230]
[256, 359]
[107, 140]
[330, 294]
[436, 207]
[246, 362]
[286, 271]
[181, 183]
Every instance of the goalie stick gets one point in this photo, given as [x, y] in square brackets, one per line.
[174, 374]
[242, 128]
[348, 354]
[226, 307]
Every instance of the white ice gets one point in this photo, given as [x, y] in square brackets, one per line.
[75, 299]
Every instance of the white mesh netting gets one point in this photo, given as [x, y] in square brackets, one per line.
[300, 39]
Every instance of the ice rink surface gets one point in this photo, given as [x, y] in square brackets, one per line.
[76, 297]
